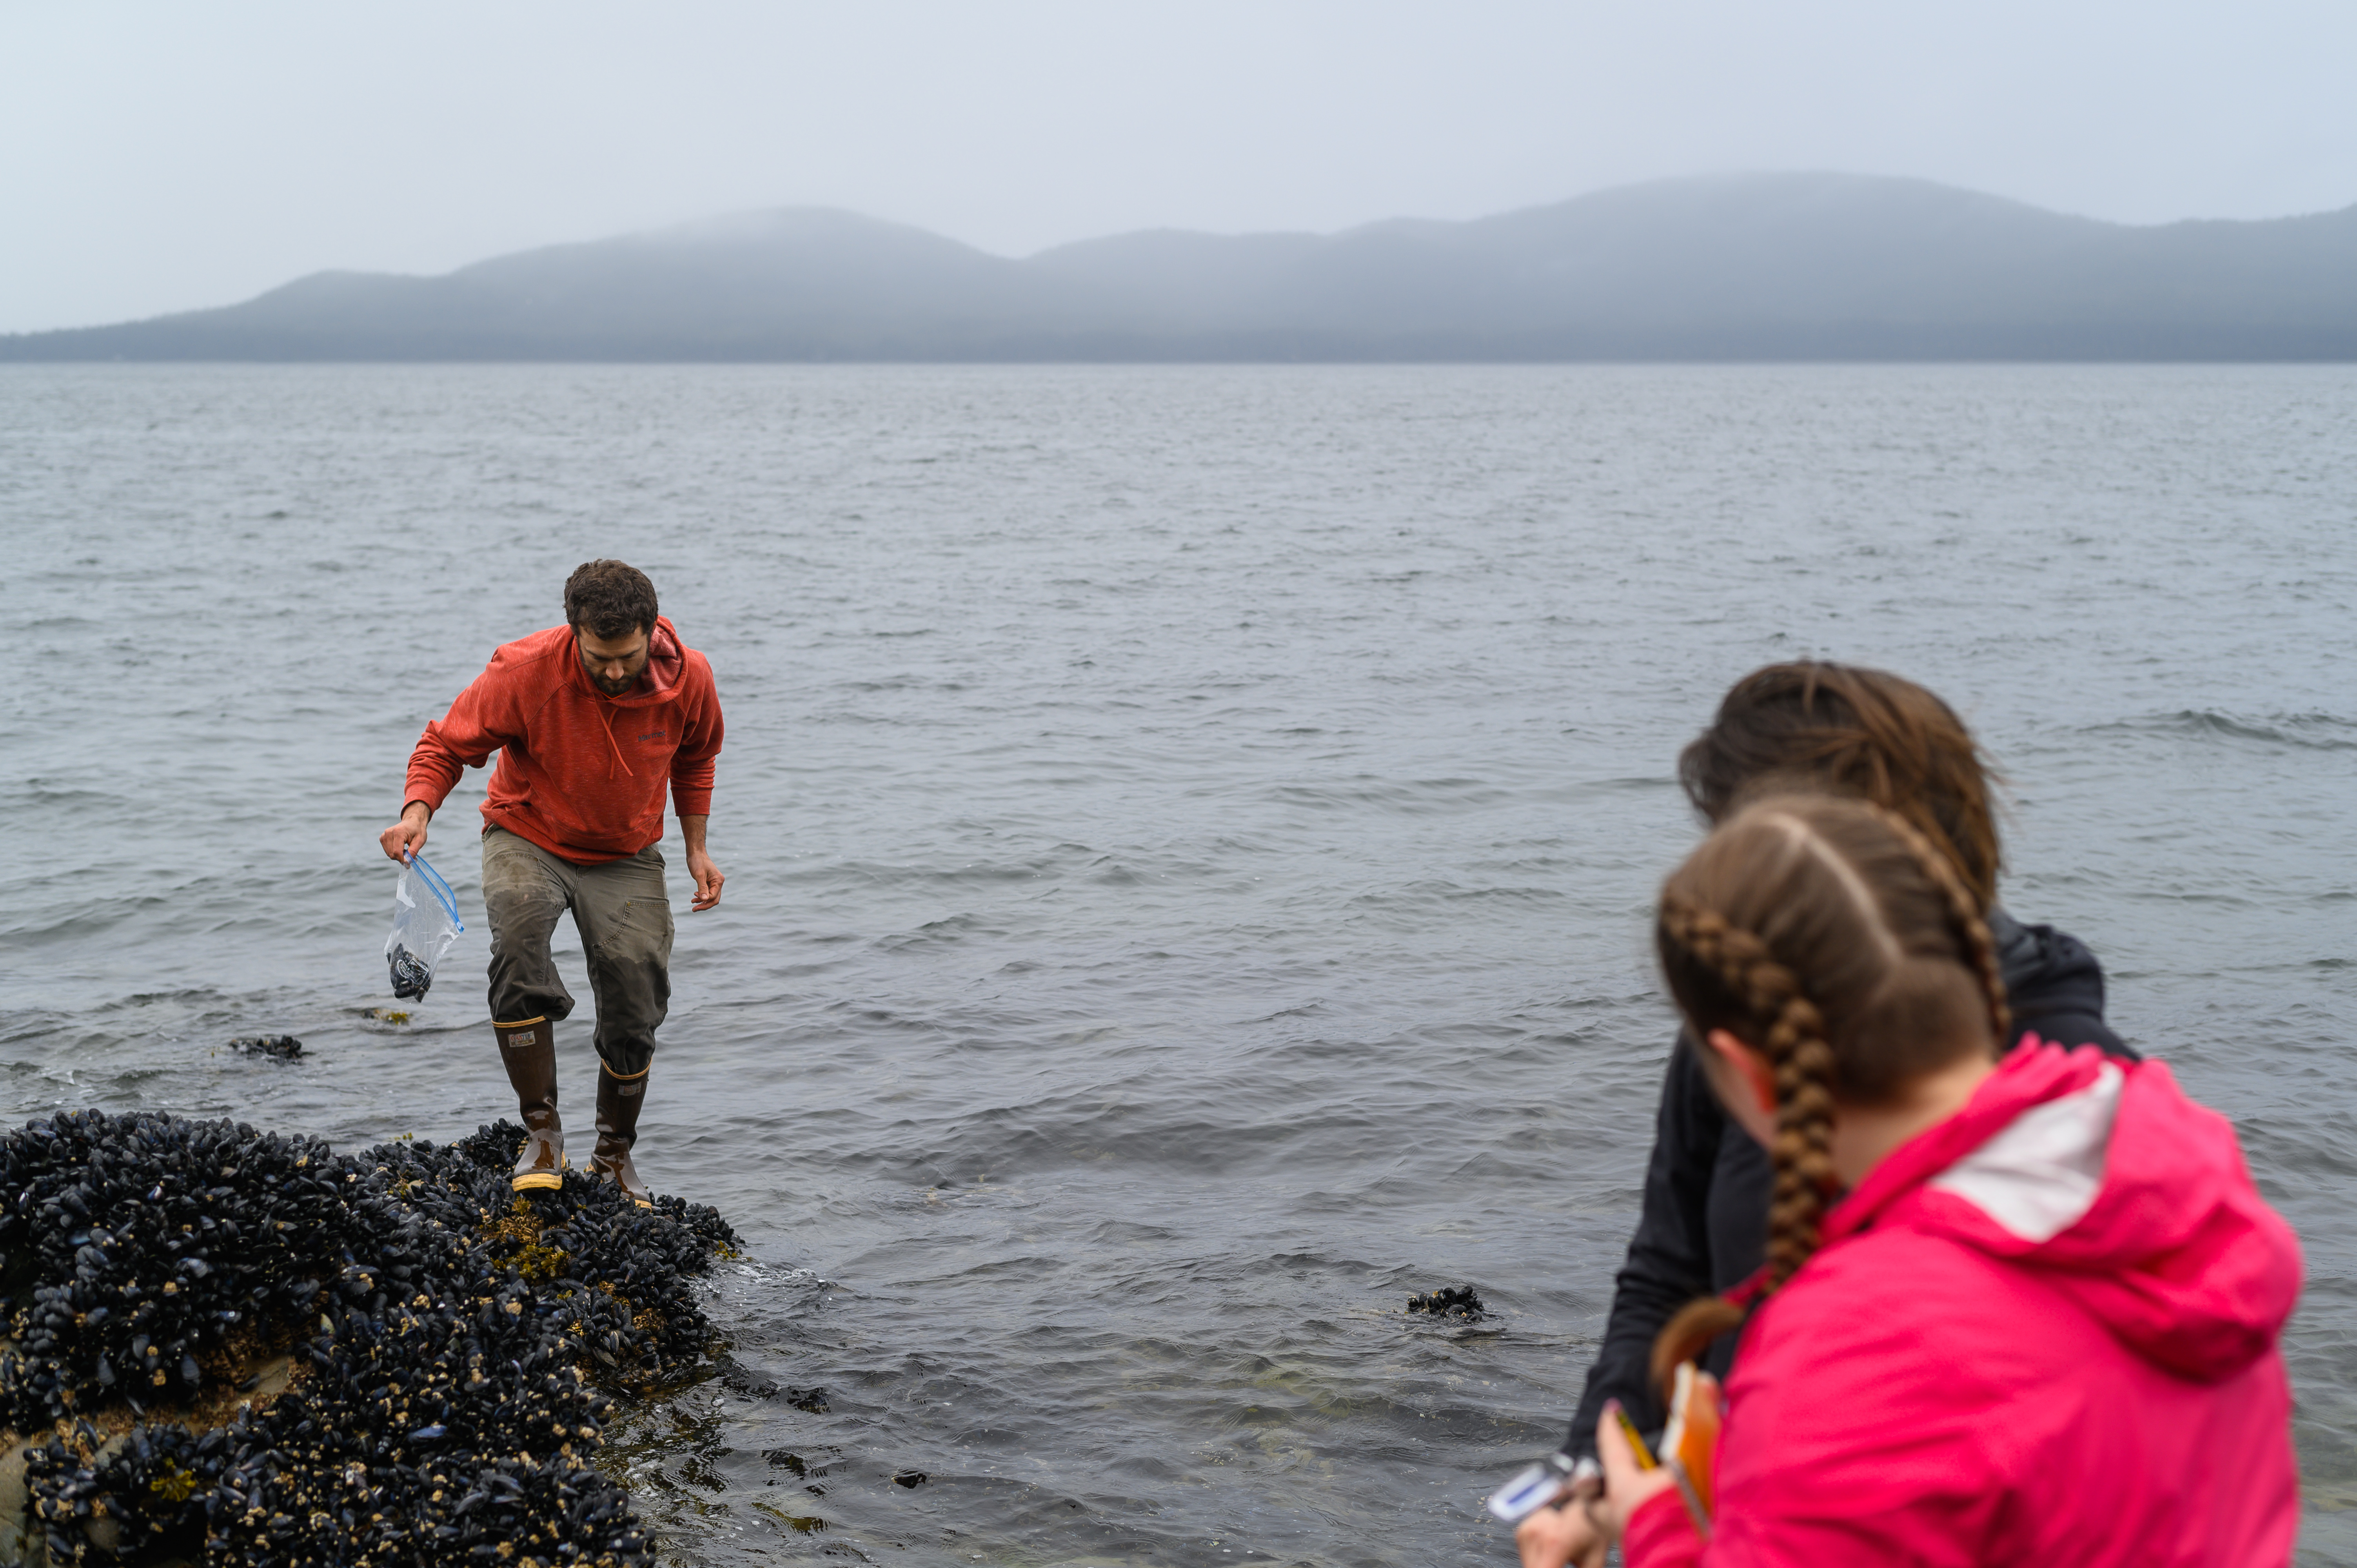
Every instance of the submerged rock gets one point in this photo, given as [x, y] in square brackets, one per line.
[286, 1048]
[1449, 1301]
[243, 1347]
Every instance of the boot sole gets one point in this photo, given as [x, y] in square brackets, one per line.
[538, 1180]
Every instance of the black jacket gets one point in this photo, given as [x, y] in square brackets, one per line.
[1704, 1224]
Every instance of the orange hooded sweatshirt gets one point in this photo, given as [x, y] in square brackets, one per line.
[581, 774]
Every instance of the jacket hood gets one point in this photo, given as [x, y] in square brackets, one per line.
[2121, 1191]
[2046, 971]
[666, 668]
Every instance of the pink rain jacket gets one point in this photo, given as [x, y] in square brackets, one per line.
[2042, 1332]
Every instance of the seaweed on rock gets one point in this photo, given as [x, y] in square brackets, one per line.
[453, 1346]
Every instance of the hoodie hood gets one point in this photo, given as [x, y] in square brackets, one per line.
[660, 682]
[2055, 984]
[2121, 1191]
[2054, 967]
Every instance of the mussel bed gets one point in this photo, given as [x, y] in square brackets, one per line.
[449, 1350]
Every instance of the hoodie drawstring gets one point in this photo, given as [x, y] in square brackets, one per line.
[610, 741]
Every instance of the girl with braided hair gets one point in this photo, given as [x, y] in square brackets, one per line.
[2017, 1307]
[1806, 727]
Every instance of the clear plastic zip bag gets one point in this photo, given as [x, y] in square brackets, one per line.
[425, 923]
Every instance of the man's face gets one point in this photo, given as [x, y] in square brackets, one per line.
[614, 663]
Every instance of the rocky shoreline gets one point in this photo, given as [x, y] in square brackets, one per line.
[231, 1347]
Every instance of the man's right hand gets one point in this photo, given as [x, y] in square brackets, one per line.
[407, 836]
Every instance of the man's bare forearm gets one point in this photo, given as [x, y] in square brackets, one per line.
[691, 831]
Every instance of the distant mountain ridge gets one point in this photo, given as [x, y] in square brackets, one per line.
[1783, 266]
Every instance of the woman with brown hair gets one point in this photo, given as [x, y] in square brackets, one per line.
[1839, 730]
[2018, 1307]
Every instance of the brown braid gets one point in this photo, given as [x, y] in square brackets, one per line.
[1833, 937]
[1970, 927]
[1795, 1044]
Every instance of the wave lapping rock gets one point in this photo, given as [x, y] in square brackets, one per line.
[241, 1347]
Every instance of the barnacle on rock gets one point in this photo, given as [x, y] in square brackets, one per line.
[244, 1349]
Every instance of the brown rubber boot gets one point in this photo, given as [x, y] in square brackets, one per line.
[619, 1100]
[528, 1047]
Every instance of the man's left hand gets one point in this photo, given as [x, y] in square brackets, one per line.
[707, 879]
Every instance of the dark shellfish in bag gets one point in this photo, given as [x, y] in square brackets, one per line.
[425, 923]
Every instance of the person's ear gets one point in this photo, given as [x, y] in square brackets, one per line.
[1749, 1066]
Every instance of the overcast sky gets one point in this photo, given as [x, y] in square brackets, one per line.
[165, 155]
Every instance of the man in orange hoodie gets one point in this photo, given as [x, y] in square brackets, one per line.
[590, 720]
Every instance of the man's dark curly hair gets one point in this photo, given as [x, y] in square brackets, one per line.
[609, 598]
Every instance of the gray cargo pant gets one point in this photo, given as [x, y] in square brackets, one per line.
[624, 917]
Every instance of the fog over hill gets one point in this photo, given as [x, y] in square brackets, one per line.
[1786, 266]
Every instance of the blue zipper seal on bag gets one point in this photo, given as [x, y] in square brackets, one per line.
[448, 900]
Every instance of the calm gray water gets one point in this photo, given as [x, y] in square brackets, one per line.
[1190, 833]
